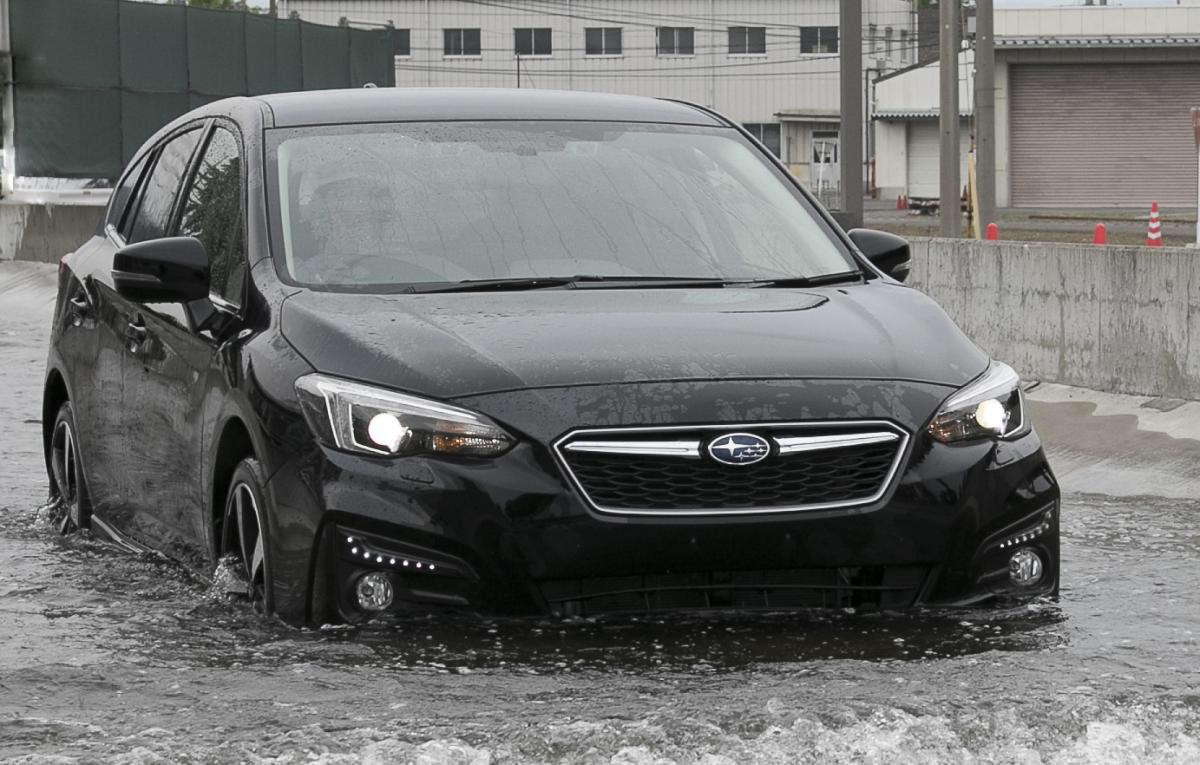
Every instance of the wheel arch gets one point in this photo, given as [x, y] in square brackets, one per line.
[233, 445]
[54, 395]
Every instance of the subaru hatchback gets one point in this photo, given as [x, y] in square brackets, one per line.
[525, 352]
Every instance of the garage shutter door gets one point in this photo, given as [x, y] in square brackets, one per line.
[924, 156]
[1103, 134]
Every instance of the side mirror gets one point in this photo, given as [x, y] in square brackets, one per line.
[171, 270]
[887, 252]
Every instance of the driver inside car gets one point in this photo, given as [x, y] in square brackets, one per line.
[349, 219]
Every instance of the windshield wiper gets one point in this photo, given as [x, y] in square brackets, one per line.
[579, 281]
[822, 280]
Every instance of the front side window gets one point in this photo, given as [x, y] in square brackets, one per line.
[123, 195]
[818, 39]
[768, 134]
[602, 41]
[676, 41]
[212, 212]
[388, 207]
[161, 188]
[461, 42]
[744, 40]
[532, 42]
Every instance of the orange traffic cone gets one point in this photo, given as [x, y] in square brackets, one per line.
[1154, 230]
[993, 233]
[901, 202]
[1100, 234]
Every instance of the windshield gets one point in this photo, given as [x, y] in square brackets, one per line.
[421, 203]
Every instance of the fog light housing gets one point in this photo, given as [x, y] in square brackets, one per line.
[374, 591]
[1025, 567]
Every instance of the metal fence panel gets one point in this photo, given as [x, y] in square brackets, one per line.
[93, 79]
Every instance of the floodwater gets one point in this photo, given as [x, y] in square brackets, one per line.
[109, 656]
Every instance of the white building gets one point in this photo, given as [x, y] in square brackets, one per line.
[1092, 109]
[769, 64]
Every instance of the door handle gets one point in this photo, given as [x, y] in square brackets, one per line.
[135, 334]
[80, 303]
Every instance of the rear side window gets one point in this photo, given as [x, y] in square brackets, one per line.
[161, 188]
[124, 193]
[212, 212]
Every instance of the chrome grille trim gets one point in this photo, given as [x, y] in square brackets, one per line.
[800, 444]
[612, 435]
[689, 448]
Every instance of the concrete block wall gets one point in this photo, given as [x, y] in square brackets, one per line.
[44, 233]
[1118, 319]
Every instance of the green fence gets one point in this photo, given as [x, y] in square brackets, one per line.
[93, 79]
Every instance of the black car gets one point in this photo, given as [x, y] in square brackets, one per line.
[525, 352]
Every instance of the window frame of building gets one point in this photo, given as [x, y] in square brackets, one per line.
[743, 42]
[462, 34]
[607, 36]
[888, 41]
[830, 137]
[904, 46]
[540, 42]
[402, 43]
[676, 34]
[873, 37]
[819, 41]
[769, 134]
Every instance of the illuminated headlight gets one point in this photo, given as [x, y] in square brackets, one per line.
[365, 419]
[992, 406]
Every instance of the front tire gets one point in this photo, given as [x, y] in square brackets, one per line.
[244, 536]
[70, 503]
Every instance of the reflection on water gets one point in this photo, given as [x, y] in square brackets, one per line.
[108, 655]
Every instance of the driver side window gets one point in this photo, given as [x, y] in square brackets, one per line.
[212, 213]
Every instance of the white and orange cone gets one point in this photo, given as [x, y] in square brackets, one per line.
[1154, 230]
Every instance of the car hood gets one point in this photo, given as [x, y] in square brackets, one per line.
[457, 344]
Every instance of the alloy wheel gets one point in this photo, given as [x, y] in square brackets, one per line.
[64, 465]
[242, 546]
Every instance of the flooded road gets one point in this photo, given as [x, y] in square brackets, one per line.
[108, 656]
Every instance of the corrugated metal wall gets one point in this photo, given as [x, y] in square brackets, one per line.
[1103, 134]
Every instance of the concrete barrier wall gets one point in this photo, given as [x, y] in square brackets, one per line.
[1118, 319]
[44, 233]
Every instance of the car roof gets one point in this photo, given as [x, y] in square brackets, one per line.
[337, 107]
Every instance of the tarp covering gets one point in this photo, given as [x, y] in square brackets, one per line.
[93, 79]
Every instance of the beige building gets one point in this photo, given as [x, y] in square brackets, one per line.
[1092, 109]
[770, 64]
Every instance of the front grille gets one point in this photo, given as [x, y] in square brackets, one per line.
[628, 475]
[885, 587]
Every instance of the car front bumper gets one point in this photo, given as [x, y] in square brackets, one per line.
[512, 535]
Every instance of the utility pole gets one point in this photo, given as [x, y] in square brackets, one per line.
[949, 43]
[851, 133]
[985, 113]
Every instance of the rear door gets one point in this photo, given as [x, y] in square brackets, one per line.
[147, 455]
[172, 378]
[91, 349]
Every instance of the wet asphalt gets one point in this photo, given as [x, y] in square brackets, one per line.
[115, 657]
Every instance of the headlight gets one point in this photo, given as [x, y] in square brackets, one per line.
[991, 406]
[361, 418]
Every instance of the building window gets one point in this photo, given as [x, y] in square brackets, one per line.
[887, 43]
[903, 46]
[532, 42]
[401, 42]
[460, 42]
[873, 38]
[602, 41]
[825, 146]
[744, 40]
[818, 39]
[768, 134]
[676, 41]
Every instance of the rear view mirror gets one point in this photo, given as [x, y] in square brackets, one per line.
[887, 252]
[170, 270]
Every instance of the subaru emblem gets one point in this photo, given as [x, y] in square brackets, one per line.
[739, 448]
